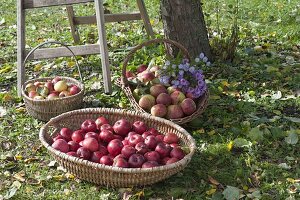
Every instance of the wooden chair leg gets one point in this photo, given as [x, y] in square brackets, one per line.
[145, 17]
[103, 46]
[74, 31]
[20, 45]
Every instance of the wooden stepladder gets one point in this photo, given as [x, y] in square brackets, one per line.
[100, 18]
[108, 18]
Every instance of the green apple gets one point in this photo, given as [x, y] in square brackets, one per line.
[60, 86]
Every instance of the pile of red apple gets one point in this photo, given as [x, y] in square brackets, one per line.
[121, 144]
[51, 89]
[158, 99]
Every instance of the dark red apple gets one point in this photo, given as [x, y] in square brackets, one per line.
[165, 160]
[177, 152]
[141, 148]
[121, 162]
[118, 137]
[171, 160]
[125, 142]
[129, 74]
[106, 160]
[139, 127]
[100, 121]
[50, 86]
[141, 68]
[106, 136]
[114, 147]
[171, 138]
[58, 137]
[107, 127]
[134, 139]
[55, 80]
[163, 150]
[72, 153]
[150, 164]
[91, 135]
[122, 127]
[127, 151]
[145, 134]
[78, 136]
[151, 141]
[159, 138]
[89, 126]
[153, 131]
[173, 145]
[96, 156]
[90, 144]
[61, 145]
[131, 133]
[152, 156]
[73, 146]
[74, 90]
[83, 153]
[136, 160]
[66, 133]
[103, 149]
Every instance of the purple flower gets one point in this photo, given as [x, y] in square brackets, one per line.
[181, 72]
[205, 59]
[197, 60]
[174, 66]
[168, 63]
[190, 90]
[185, 60]
[180, 66]
[199, 76]
[201, 56]
[184, 82]
[192, 69]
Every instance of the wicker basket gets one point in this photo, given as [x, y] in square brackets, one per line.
[124, 84]
[46, 109]
[108, 175]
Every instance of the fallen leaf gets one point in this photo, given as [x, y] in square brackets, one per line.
[292, 138]
[230, 145]
[211, 191]
[20, 176]
[213, 181]
[32, 181]
[231, 193]
[293, 119]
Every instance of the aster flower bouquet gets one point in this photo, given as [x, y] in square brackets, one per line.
[174, 89]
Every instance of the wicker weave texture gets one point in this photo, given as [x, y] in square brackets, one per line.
[46, 109]
[108, 175]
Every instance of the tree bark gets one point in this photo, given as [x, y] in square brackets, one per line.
[184, 22]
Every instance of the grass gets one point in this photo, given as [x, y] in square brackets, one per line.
[245, 137]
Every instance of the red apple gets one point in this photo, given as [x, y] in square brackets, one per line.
[174, 112]
[106, 136]
[152, 156]
[30, 87]
[100, 121]
[177, 152]
[78, 136]
[114, 147]
[157, 89]
[61, 145]
[147, 101]
[74, 90]
[159, 110]
[37, 84]
[103, 149]
[52, 96]
[134, 139]
[89, 126]
[55, 80]
[121, 162]
[177, 97]
[106, 160]
[64, 94]
[96, 156]
[122, 127]
[164, 98]
[150, 164]
[139, 127]
[171, 160]
[188, 106]
[165, 160]
[91, 135]
[127, 151]
[66, 133]
[173, 145]
[141, 68]
[146, 76]
[83, 153]
[129, 74]
[145, 134]
[125, 142]
[141, 148]
[159, 138]
[72, 153]
[73, 146]
[50, 86]
[131, 133]
[171, 138]
[58, 137]
[90, 144]
[118, 137]
[151, 141]
[163, 149]
[106, 127]
[32, 94]
[153, 131]
[136, 160]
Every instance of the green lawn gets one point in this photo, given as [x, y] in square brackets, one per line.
[247, 138]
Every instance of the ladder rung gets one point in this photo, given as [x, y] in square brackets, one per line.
[108, 18]
[45, 3]
[63, 52]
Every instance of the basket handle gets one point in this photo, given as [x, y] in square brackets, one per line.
[54, 42]
[147, 43]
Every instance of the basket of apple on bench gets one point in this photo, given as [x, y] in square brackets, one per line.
[117, 148]
[176, 91]
[48, 97]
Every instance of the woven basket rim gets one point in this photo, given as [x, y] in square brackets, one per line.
[78, 83]
[185, 160]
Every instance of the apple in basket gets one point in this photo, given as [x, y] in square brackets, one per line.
[74, 90]
[60, 86]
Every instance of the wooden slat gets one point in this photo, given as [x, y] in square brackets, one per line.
[103, 46]
[74, 30]
[145, 17]
[108, 18]
[46, 3]
[20, 45]
[63, 52]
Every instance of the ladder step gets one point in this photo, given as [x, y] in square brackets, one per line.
[46, 3]
[108, 18]
[79, 50]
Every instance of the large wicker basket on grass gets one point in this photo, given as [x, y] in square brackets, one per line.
[127, 88]
[46, 109]
[108, 175]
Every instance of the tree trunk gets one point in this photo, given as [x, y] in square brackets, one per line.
[184, 22]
